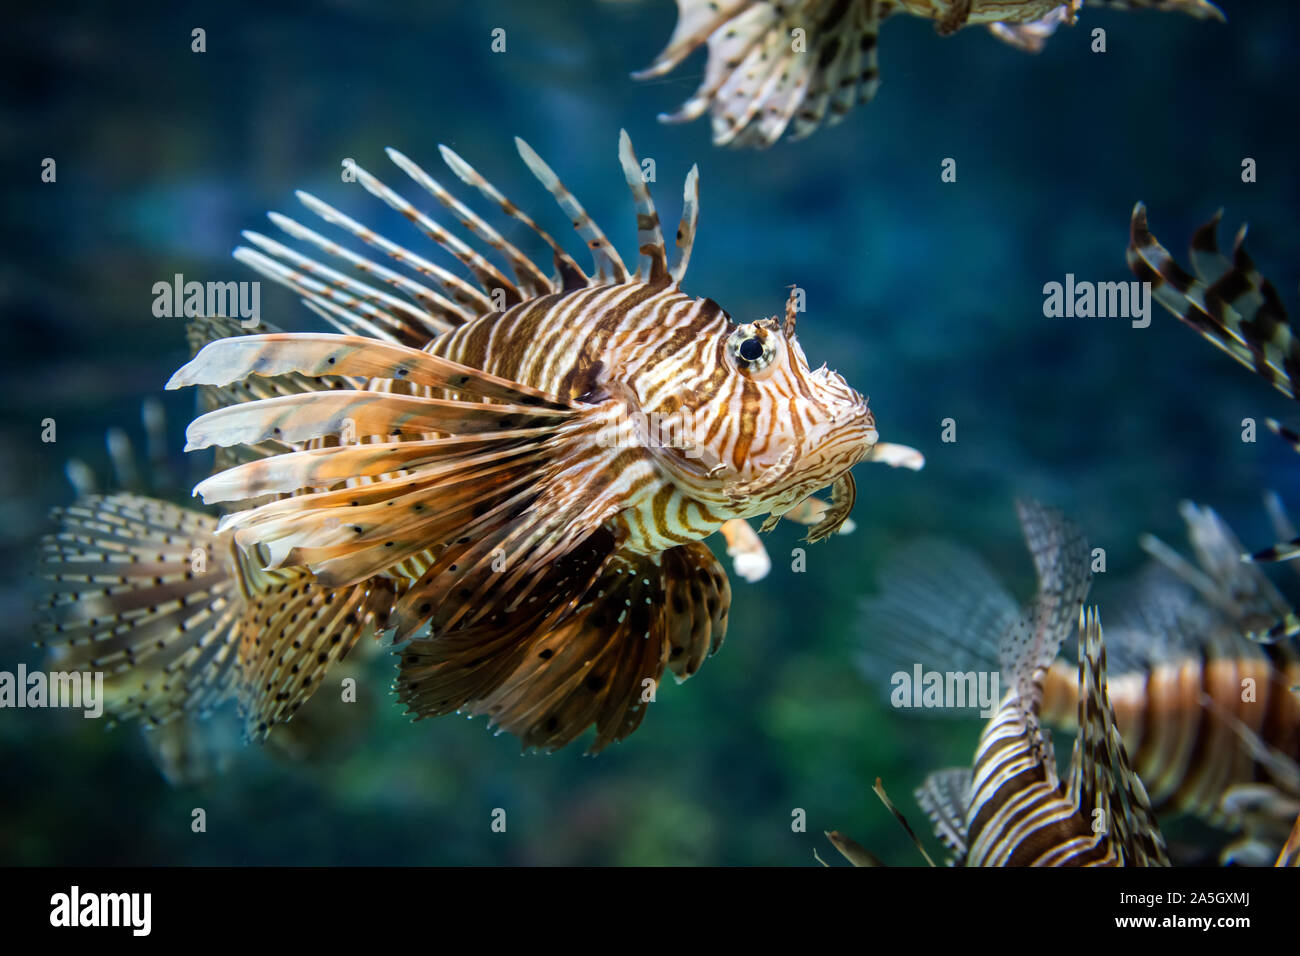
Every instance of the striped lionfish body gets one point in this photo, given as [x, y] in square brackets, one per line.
[1011, 809]
[1206, 714]
[777, 67]
[516, 472]
[1020, 814]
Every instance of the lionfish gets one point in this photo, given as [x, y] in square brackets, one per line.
[788, 66]
[1181, 660]
[775, 66]
[1240, 312]
[1011, 808]
[478, 466]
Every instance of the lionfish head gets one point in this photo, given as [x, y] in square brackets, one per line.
[776, 431]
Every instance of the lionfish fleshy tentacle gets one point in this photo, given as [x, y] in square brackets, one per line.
[1033, 36]
[748, 555]
[955, 18]
[844, 493]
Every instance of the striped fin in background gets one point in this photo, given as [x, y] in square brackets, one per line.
[1239, 311]
[1179, 632]
[763, 80]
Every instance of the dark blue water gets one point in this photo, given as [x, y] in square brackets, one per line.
[926, 295]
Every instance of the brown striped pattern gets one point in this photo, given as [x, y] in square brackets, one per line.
[1021, 814]
[758, 86]
[541, 471]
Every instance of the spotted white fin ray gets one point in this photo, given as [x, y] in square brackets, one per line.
[653, 264]
[570, 272]
[608, 265]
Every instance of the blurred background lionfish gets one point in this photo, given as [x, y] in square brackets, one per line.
[1239, 311]
[775, 67]
[467, 463]
[1206, 714]
[1010, 808]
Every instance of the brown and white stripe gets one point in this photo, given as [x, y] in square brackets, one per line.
[497, 466]
[788, 67]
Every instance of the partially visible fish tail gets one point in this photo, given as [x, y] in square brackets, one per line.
[136, 588]
[154, 597]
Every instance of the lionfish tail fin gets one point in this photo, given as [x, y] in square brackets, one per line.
[152, 595]
[774, 68]
[595, 658]
[1103, 785]
[1228, 302]
[135, 588]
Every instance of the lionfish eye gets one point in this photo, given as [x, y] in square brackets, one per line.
[750, 352]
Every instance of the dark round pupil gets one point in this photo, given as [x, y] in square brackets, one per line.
[751, 350]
